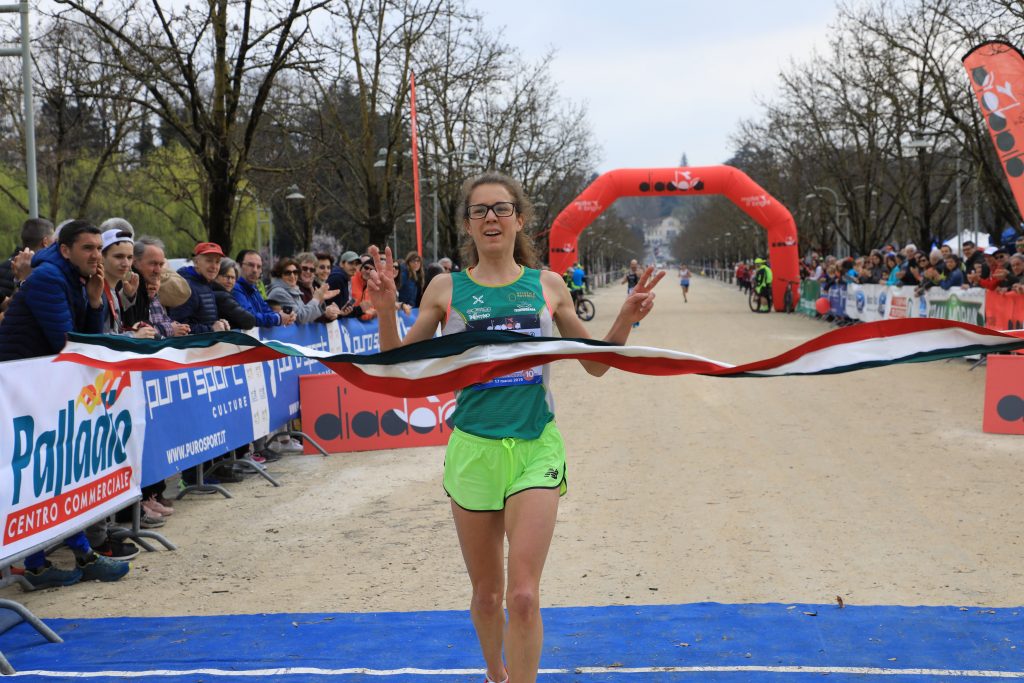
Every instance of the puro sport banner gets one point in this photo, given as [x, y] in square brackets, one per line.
[72, 439]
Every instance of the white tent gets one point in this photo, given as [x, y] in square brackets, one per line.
[980, 240]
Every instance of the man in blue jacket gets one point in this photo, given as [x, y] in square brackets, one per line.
[247, 293]
[63, 294]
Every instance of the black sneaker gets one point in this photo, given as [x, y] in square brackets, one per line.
[229, 476]
[269, 455]
[117, 550]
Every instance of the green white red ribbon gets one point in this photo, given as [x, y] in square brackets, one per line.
[455, 361]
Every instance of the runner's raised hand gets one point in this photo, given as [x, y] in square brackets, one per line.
[641, 301]
[380, 282]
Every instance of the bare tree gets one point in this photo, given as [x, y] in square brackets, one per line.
[207, 72]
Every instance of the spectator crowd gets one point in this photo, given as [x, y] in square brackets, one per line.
[78, 277]
[995, 268]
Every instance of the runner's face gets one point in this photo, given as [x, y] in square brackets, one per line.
[493, 234]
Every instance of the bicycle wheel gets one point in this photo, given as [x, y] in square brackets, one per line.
[585, 309]
[753, 300]
[787, 301]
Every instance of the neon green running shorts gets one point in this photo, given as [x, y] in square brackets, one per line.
[480, 474]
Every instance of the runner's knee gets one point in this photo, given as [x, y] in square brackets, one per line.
[523, 603]
[487, 600]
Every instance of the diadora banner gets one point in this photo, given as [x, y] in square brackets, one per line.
[72, 440]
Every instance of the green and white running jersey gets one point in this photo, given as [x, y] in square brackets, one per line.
[518, 405]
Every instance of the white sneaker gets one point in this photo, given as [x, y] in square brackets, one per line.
[288, 445]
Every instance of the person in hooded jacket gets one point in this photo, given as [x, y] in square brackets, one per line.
[200, 311]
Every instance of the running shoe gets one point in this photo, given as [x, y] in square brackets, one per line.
[153, 505]
[49, 576]
[286, 445]
[117, 550]
[150, 521]
[99, 568]
[269, 455]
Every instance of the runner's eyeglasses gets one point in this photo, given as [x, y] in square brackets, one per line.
[500, 209]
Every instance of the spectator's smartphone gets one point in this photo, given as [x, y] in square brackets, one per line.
[350, 302]
[286, 309]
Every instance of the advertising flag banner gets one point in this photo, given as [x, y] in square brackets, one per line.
[72, 453]
[996, 71]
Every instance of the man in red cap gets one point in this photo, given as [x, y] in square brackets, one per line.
[200, 311]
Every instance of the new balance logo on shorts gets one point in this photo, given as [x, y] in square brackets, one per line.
[552, 472]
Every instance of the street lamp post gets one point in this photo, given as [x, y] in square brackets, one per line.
[293, 196]
[839, 213]
[920, 143]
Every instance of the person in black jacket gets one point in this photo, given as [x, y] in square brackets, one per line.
[36, 234]
[148, 263]
[227, 307]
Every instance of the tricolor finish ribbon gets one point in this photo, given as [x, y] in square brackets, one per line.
[455, 361]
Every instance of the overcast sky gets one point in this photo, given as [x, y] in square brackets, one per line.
[664, 78]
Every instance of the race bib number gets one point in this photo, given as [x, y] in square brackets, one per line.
[521, 324]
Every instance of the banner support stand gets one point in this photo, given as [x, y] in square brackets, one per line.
[7, 578]
[201, 487]
[138, 534]
[307, 437]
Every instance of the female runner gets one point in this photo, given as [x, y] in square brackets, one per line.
[505, 462]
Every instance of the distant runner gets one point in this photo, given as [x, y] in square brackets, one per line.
[684, 280]
[631, 280]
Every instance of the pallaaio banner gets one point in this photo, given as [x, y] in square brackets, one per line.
[72, 451]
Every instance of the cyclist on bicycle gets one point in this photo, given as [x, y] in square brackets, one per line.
[763, 285]
[575, 290]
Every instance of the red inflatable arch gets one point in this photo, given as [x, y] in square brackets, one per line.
[681, 182]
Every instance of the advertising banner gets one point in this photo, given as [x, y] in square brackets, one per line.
[1004, 311]
[962, 305]
[194, 415]
[73, 452]
[810, 292]
[1004, 395]
[901, 303]
[837, 301]
[866, 303]
[345, 418]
